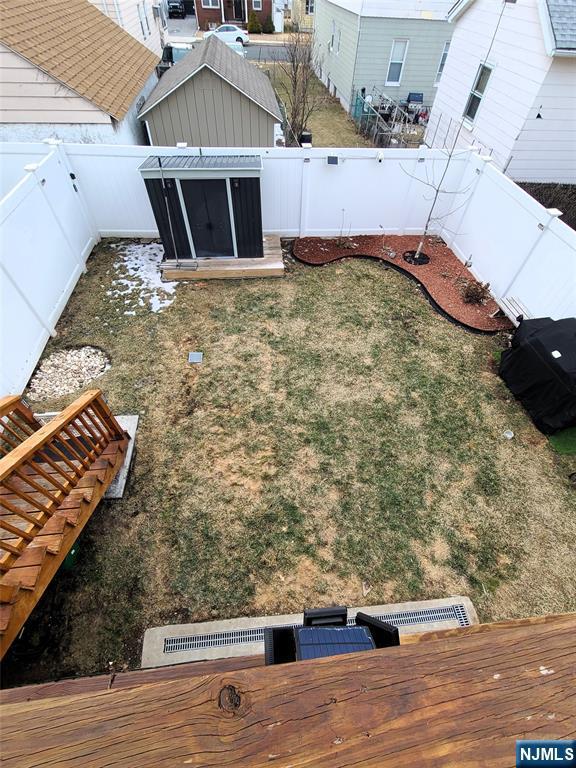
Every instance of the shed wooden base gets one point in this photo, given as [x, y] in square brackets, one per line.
[270, 265]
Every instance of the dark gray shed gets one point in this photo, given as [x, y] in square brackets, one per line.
[212, 98]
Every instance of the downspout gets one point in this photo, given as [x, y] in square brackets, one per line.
[356, 54]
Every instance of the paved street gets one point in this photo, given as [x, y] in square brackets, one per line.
[182, 29]
[268, 52]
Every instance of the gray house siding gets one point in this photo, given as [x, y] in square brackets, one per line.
[364, 53]
[206, 111]
[336, 66]
[426, 43]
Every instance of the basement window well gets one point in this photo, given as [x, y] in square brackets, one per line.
[206, 206]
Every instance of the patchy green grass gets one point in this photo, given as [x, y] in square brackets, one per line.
[330, 124]
[339, 437]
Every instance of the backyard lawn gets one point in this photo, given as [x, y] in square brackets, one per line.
[340, 443]
[330, 125]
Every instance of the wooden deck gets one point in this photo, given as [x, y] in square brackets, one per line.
[271, 265]
[458, 698]
[52, 477]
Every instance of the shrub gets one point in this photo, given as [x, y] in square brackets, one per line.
[268, 26]
[254, 26]
[475, 293]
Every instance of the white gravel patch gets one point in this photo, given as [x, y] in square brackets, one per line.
[138, 278]
[62, 373]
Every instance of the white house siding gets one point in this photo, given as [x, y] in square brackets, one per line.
[127, 14]
[426, 41]
[336, 67]
[519, 63]
[545, 150]
[28, 95]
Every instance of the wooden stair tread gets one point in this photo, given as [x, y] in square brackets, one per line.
[25, 578]
[5, 614]
[8, 593]
[30, 556]
[52, 542]
[62, 477]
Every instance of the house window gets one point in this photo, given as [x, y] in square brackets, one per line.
[309, 7]
[143, 20]
[332, 36]
[210, 3]
[477, 92]
[397, 59]
[442, 62]
[257, 5]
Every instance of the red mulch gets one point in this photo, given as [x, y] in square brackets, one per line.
[442, 277]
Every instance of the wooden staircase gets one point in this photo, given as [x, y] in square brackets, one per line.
[52, 477]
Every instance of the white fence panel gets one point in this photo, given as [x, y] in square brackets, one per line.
[546, 282]
[515, 244]
[13, 157]
[45, 240]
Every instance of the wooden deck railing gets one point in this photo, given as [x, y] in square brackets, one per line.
[45, 463]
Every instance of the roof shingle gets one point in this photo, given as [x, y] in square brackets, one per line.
[79, 46]
[225, 62]
[563, 20]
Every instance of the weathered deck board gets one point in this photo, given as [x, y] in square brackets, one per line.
[457, 701]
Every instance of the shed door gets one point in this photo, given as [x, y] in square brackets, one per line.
[169, 218]
[208, 212]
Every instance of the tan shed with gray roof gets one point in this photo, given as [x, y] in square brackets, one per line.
[212, 98]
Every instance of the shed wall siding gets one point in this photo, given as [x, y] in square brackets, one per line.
[28, 95]
[520, 64]
[545, 150]
[206, 111]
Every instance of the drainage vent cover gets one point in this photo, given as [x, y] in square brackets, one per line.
[456, 612]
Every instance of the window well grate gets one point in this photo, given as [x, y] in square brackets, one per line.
[456, 612]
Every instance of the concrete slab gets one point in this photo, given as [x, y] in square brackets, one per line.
[127, 421]
[161, 644]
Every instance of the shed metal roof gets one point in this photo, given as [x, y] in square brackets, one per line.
[203, 163]
[228, 65]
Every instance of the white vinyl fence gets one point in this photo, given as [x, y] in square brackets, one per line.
[77, 193]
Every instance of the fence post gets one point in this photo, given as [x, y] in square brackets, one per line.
[304, 194]
[59, 146]
[479, 171]
[553, 213]
[33, 169]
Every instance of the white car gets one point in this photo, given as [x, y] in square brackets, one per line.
[229, 33]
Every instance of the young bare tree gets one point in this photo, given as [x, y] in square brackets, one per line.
[299, 87]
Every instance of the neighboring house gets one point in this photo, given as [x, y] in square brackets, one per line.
[213, 98]
[302, 15]
[146, 20]
[383, 46]
[509, 87]
[212, 13]
[69, 72]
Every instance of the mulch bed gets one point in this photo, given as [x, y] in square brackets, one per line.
[442, 278]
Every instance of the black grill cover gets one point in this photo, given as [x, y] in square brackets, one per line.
[543, 381]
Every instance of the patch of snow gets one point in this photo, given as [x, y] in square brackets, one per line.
[138, 276]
